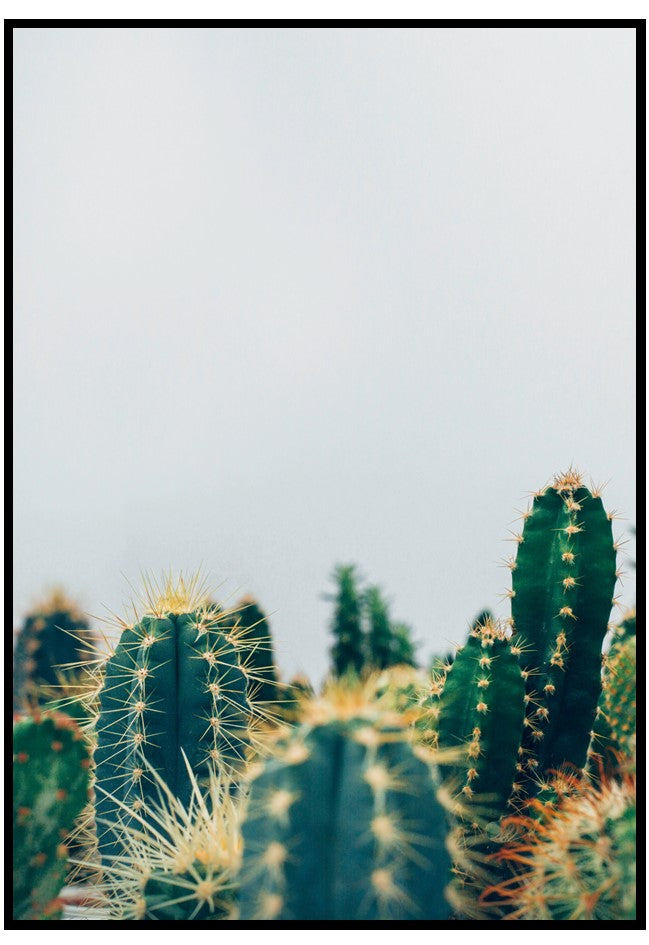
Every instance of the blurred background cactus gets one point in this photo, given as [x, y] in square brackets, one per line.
[51, 648]
[51, 772]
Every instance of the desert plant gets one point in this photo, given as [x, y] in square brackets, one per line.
[343, 823]
[176, 682]
[51, 771]
[53, 644]
[348, 650]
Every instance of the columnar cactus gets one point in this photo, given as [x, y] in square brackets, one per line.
[562, 592]
[344, 823]
[51, 771]
[176, 682]
[613, 743]
[348, 649]
[481, 713]
[576, 860]
[55, 638]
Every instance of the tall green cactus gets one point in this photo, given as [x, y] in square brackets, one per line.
[53, 642]
[51, 771]
[348, 650]
[344, 823]
[176, 682]
[562, 592]
[481, 713]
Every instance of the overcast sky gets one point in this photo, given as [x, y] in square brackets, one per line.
[292, 297]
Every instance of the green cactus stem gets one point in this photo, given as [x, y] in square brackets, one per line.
[613, 743]
[344, 824]
[176, 682]
[51, 772]
[563, 579]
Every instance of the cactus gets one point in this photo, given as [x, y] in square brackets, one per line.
[54, 637]
[478, 724]
[576, 861]
[613, 742]
[260, 665]
[348, 650]
[292, 696]
[481, 712]
[379, 637]
[51, 771]
[182, 863]
[562, 591]
[403, 649]
[344, 822]
[177, 681]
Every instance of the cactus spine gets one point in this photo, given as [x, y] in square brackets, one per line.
[176, 682]
[186, 867]
[576, 861]
[562, 592]
[613, 743]
[53, 638]
[51, 770]
[344, 822]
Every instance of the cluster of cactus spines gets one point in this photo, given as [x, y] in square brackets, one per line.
[563, 579]
[177, 681]
[182, 862]
[343, 823]
[55, 641]
[292, 695]
[576, 859]
[51, 773]
[613, 742]
[481, 712]
[348, 650]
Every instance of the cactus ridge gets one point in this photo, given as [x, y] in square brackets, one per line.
[51, 772]
[343, 823]
[563, 580]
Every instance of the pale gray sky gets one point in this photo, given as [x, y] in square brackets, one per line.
[292, 297]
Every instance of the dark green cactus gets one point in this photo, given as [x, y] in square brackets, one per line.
[403, 649]
[260, 665]
[51, 771]
[53, 643]
[564, 575]
[380, 649]
[481, 713]
[348, 650]
[613, 743]
[344, 823]
[176, 682]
